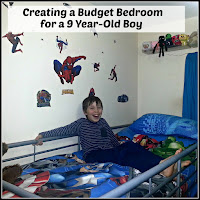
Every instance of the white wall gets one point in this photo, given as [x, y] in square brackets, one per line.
[161, 80]
[32, 70]
[24, 74]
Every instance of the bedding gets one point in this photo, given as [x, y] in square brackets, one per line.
[68, 176]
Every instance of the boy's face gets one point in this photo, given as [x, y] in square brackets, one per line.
[94, 112]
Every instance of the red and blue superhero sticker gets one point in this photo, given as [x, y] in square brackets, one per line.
[113, 74]
[67, 71]
[61, 44]
[43, 98]
[92, 92]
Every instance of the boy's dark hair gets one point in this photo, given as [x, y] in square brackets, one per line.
[90, 100]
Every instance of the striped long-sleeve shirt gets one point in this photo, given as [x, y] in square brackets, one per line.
[93, 135]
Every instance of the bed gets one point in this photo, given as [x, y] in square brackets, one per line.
[68, 176]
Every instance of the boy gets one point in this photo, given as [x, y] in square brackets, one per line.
[99, 143]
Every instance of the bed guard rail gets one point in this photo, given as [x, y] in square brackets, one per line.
[19, 191]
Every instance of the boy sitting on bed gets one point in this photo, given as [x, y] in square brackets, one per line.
[99, 143]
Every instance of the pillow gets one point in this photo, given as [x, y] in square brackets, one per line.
[162, 124]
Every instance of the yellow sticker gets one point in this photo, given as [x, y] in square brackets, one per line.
[67, 91]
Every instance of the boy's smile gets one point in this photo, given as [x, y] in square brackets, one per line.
[94, 112]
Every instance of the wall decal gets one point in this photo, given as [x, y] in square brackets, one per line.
[43, 98]
[67, 91]
[96, 66]
[92, 92]
[113, 74]
[123, 98]
[61, 44]
[67, 70]
[14, 39]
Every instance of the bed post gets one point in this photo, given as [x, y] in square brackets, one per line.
[178, 193]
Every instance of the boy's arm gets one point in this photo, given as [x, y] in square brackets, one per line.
[69, 130]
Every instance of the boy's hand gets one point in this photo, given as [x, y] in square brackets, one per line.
[39, 142]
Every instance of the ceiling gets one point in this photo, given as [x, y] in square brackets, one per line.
[191, 7]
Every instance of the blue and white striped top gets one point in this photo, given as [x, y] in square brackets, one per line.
[93, 135]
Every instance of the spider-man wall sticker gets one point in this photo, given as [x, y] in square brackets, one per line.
[61, 44]
[67, 70]
[92, 92]
[14, 39]
[43, 98]
[96, 66]
[113, 74]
